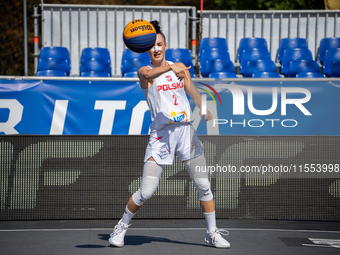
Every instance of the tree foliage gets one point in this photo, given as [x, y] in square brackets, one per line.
[12, 25]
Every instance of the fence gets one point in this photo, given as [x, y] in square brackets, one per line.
[271, 25]
[80, 26]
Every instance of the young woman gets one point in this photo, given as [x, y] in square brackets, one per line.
[164, 85]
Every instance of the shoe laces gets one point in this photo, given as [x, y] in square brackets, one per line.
[120, 228]
[217, 232]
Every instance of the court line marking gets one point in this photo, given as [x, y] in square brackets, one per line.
[168, 229]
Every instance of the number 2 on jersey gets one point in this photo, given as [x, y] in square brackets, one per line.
[174, 96]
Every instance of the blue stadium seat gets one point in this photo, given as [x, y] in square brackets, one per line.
[97, 60]
[303, 66]
[133, 64]
[51, 73]
[331, 56]
[101, 53]
[223, 75]
[259, 65]
[325, 44]
[336, 69]
[96, 65]
[128, 54]
[216, 66]
[266, 75]
[253, 54]
[95, 74]
[294, 54]
[212, 42]
[181, 55]
[131, 75]
[290, 43]
[53, 64]
[132, 61]
[250, 42]
[211, 54]
[310, 75]
[55, 52]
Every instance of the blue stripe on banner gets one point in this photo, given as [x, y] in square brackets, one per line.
[74, 107]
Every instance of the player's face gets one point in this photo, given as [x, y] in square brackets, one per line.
[157, 52]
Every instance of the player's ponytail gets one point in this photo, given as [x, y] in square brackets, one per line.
[157, 27]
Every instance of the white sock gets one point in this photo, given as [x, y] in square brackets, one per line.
[211, 220]
[127, 216]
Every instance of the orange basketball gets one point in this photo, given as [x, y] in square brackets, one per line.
[139, 35]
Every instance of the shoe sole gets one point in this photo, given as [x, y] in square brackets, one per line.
[220, 247]
[116, 244]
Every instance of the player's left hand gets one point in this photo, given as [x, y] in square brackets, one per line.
[181, 71]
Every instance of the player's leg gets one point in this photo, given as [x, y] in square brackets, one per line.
[202, 185]
[150, 180]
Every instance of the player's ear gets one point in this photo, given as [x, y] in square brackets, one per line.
[166, 46]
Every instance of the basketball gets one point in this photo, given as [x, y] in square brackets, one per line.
[139, 35]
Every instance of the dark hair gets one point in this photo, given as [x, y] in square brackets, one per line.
[155, 24]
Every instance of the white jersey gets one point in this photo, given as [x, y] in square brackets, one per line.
[167, 100]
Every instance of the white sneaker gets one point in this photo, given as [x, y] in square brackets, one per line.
[117, 237]
[214, 238]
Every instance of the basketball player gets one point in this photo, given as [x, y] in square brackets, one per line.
[164, 85]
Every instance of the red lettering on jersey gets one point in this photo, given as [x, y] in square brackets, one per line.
[159, 137]
[166, 87]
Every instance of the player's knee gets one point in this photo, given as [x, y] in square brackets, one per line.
[202, 186]
[149, 186]
[201, 183]
[147, 189]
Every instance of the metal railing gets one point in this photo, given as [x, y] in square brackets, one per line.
[80, 26]
[271, 25]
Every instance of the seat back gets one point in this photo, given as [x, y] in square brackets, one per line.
[310, 75]
[336, 69]
[266, 75]
[133, 64]
[253, 54]
[212, 42]
[259, 65]
[100, 53]
[211, 54]
[294, 54]
[223, 75]
[128, 54]
[180, 55]
[325, 44]
[51, 73]
[132, 61]
[94, 74]
[250, 42]
[54, 54]
[331, 56]
[216, 66]
[131, 75]
[96, 65]
[303, 66]
[54, 64]
[290, 43]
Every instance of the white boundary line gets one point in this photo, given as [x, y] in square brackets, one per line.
[168, 229]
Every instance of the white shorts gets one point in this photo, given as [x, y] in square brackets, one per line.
[180, 139]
